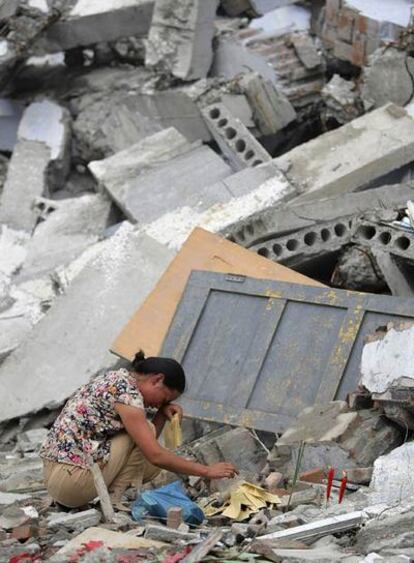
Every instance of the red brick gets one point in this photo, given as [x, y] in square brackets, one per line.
[23, 532]
[366, 25]
[346, 21]
[329, 34]
[343, 50]
[331, 12]
[359, 50]
[313, 476]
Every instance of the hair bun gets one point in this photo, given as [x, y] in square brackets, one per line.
[139, 356]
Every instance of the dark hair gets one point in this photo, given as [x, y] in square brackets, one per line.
[174, 376]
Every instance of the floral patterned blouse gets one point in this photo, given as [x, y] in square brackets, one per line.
[89, 420]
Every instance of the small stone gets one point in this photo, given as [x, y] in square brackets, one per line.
[162, 533]
[273, 481]
[13, 517]
[84, 519]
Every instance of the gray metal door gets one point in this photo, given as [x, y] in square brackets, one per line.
[256, 352]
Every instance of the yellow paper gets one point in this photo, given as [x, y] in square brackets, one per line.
[173, 436]
[245, 499]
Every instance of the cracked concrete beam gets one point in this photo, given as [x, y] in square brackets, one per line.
[350, 157]
[40, 162]
[93, 21]
[180, 38]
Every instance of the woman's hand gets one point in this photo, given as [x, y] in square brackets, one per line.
[170, 410]
[221, 471]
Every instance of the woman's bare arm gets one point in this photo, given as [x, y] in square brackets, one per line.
[137, 426]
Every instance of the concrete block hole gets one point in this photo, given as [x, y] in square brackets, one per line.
[366, 232]
[403, 243]
[230, 133]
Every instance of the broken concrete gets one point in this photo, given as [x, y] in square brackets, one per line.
[353, 155]
[392, 479]
[75, 225]
[272, 111]
[334, 436]
[388, 78]
[129, 163]
[282, 219]
[79, 520]
[385, 236]
[97, 305]
[6, 499]
[41, 154]
[358, 270]
[388, 359]
[115, 122]
[266, 47]
[251, 190]
[307, 244]
[180, 37]
[341, 99]
[237, 446]
[21, 475]
[160, 173]
[23, 23]
[89, 22]
[237, 144]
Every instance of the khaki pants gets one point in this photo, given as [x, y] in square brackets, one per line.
[73, 486]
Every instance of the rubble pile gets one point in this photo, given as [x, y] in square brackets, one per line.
[229, 183]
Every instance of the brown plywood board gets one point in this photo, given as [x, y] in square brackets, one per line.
[202, 250]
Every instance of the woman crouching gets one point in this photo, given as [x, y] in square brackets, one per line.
[105, 422]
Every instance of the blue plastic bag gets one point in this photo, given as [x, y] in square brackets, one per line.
[157, 502]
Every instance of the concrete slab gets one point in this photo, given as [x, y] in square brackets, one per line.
[271, 109]
[94, 21]
[327, 422]
[153, 190]
[280, 220]
[114, 171]
[41, 154]
[118, 120]
[347, 158]
[181, 36]
[388, 358]
[28, 303]
[387, 78]
[393, 476]
[70, 343]
[201, 251]
[75, 225]
[261, 188]
[347, 440]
